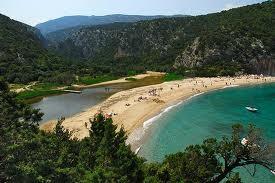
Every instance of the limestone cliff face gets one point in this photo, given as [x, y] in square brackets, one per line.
[120, 53]
[247, 52]
[193, 56]
[122, 39]
[264, 65]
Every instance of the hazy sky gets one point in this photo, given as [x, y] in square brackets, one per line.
[37, 11]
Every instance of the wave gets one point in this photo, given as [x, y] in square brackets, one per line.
[138, 133]
[231, 86]
[150, 121]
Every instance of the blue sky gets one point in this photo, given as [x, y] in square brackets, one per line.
[37, 11]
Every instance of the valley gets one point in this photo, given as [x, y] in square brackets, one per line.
[141, 91]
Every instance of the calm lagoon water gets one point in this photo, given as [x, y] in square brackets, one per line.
[69, 104]
[212, 115]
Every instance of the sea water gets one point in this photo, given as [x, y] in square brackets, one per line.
[212, 114]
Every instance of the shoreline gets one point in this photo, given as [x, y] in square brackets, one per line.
[76, 87]
[137, 106]
[137, 138]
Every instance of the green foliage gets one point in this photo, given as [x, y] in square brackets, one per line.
[88, 80]
[238, 40]
[65, 78]
[172, 77]
[30, 94]
[30, 155]
[230, 41]
[234, 179]
[23, 57]
[130, 79]
[45, 86]
[38, 90]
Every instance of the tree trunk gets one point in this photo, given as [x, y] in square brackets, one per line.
[235, 165]
[224, 173]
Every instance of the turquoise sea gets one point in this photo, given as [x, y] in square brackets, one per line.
[211, 115]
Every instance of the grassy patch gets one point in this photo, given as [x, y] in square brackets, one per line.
[30, 94]
[172, 77]
[16, 86]
[38, 91]
[46, 86]
[130, 79]
[88, 80]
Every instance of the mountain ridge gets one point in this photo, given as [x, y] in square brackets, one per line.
[225, 43]
[82, 20]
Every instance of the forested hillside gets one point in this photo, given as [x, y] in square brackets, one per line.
[23, 57]
[225, 43]
[78, 21]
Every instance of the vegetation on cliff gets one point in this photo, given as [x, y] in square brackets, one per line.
[226, 43]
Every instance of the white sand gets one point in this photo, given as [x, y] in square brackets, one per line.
[133, 116]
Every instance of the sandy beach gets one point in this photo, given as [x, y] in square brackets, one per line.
[122, 80]
[131, 108]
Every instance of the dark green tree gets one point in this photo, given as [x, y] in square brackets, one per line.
[214, 160]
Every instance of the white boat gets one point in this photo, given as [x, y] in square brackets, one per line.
[251, 109]
[137, 150]
[244, 141]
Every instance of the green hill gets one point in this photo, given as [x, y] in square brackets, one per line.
[23, 57]
[78, 21]
[225, 43]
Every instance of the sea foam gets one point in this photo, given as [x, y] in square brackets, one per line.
[231, 86]
[138, 133]
[150, 121]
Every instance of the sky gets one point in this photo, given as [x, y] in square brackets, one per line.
[33, 12]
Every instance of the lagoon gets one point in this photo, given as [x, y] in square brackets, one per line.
[69, 104]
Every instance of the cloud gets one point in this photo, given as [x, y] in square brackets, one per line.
[229, 6]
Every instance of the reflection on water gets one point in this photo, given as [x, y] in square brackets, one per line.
[69, 104]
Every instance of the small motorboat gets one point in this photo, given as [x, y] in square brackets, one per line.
[137, 150]
[251, 109]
